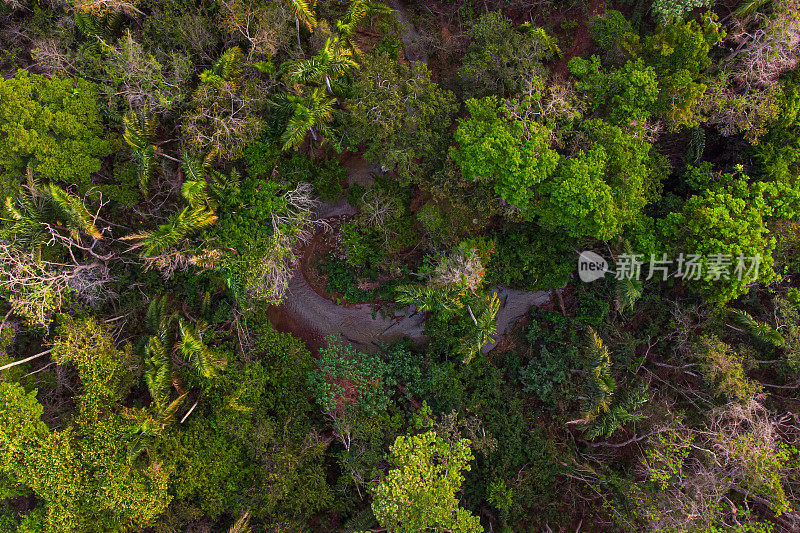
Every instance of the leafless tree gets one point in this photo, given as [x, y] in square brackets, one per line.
[35, 289]
[257, 23]
[101, 7]
[222, 119]
[767, 48]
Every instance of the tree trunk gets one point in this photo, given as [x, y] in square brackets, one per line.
[297, 24]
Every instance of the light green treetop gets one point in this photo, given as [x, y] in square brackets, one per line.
[53, 124]
[418, 494]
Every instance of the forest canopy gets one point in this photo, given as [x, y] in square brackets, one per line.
[403, 266]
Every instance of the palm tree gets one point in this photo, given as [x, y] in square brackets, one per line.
[429, 298]
[311, 114]
[357, 11]
[331, 62]
[42, 209]
[303, 11]
[205, 360]
[485, 326]
[178, 228]
[601, 384]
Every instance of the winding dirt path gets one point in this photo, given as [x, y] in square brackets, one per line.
[414, 50]
[310, 316]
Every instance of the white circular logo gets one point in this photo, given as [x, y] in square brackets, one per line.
[591, 266]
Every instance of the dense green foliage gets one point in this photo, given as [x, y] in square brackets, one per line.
[324, 265]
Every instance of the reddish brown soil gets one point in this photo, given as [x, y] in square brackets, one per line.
[582, 42]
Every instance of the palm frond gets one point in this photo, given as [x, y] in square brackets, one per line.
[357, 11]
[157, 318]
[625, 410]
[749, 7]
[628, 291]
[600, 383]
[306, 70]
[73, 211]
[761, 331]
[193, 167]
[179, 227]
[229, 65]
[196, 193]
[242, 525]
[304, 12]
[24, 222]
[158, 371]
[207, 361]
[166, 413]
[139, 133]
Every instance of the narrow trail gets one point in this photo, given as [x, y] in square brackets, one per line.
[411, 39]
[582, 41]
[310, 316]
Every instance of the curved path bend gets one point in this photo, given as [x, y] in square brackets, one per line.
[311, 316]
